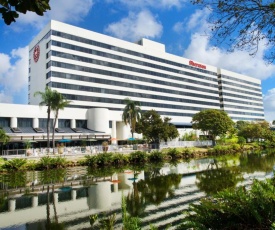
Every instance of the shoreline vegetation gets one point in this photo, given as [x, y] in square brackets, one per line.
[254, 206]
[122, 159]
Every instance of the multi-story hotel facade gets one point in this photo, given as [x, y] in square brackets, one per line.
[97, 72]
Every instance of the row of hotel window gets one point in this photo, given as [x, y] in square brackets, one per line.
[28, 122]
[130, 52]
[148, 104]
[147, 72]
[159, 67]
[142, 79]
[151, 96]
[145, 87]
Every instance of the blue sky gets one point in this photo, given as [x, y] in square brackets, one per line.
[182, 27]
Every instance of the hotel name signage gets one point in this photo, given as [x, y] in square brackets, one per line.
[197, 65]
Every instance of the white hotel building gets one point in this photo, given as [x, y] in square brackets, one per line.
[97, 72]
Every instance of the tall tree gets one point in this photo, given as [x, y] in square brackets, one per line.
[131, 114]
[47, 100]
[243, 24]
[10, 9]
[58, 103]
[213, 122]
[156, 129]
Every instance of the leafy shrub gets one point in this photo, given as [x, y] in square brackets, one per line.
[59, 162]
[156, 156]
[173, 153]
[241, 141]
[15, 164]
[236, 147]
[137, 157]
[186, 151]
[119, 158]
[103, 159]
[90, 160]
[45, 162]
[241, 208]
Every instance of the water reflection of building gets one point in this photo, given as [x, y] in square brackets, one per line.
[74, 204]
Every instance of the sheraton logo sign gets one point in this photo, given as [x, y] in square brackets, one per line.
[197, 65]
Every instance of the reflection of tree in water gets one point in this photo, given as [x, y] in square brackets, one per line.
[135, 202]
[156, 189]
[215, 180]
[52, 225]
[251, 163]
[53, 176]
[13, 180]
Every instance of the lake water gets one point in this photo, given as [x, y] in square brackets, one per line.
[65, 198]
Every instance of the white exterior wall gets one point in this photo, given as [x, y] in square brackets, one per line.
[153, 88]
[98, 119]
[241, 101]
[149, 48]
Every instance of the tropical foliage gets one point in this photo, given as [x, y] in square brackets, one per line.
[212, 122]
[131, 114]
[58, 103]
[4, 138]
[241, 208]
[54, 102]
[156, 129]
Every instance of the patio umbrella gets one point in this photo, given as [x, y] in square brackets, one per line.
[64, 140]
[131, 139]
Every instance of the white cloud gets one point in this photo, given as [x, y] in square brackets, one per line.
[13, 73]
[269, 105]
[178, 27]
[166, 4]
[61, 10]
[136, 26]
[201, 50]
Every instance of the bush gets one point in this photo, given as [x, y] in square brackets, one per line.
[59, 162]
[119, 158]
[15, 164]
[45, 162]
[90, 160]
[241, 208]
[156, 156]
[49, 163]
[137, 157]
[173, 153]
[103, 159]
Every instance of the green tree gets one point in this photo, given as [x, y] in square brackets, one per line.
[10, 9]
[47, 100]
[58, 103]
[255, 130]
[242, 24]
[213, 122]
[154, 128]
[131, 114]
[4, 138]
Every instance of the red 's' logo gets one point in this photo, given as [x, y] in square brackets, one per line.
[36, 53]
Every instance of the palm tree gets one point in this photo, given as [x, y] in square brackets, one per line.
[4, 138]
[131, 114]
[47, 100]
[58, 103]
